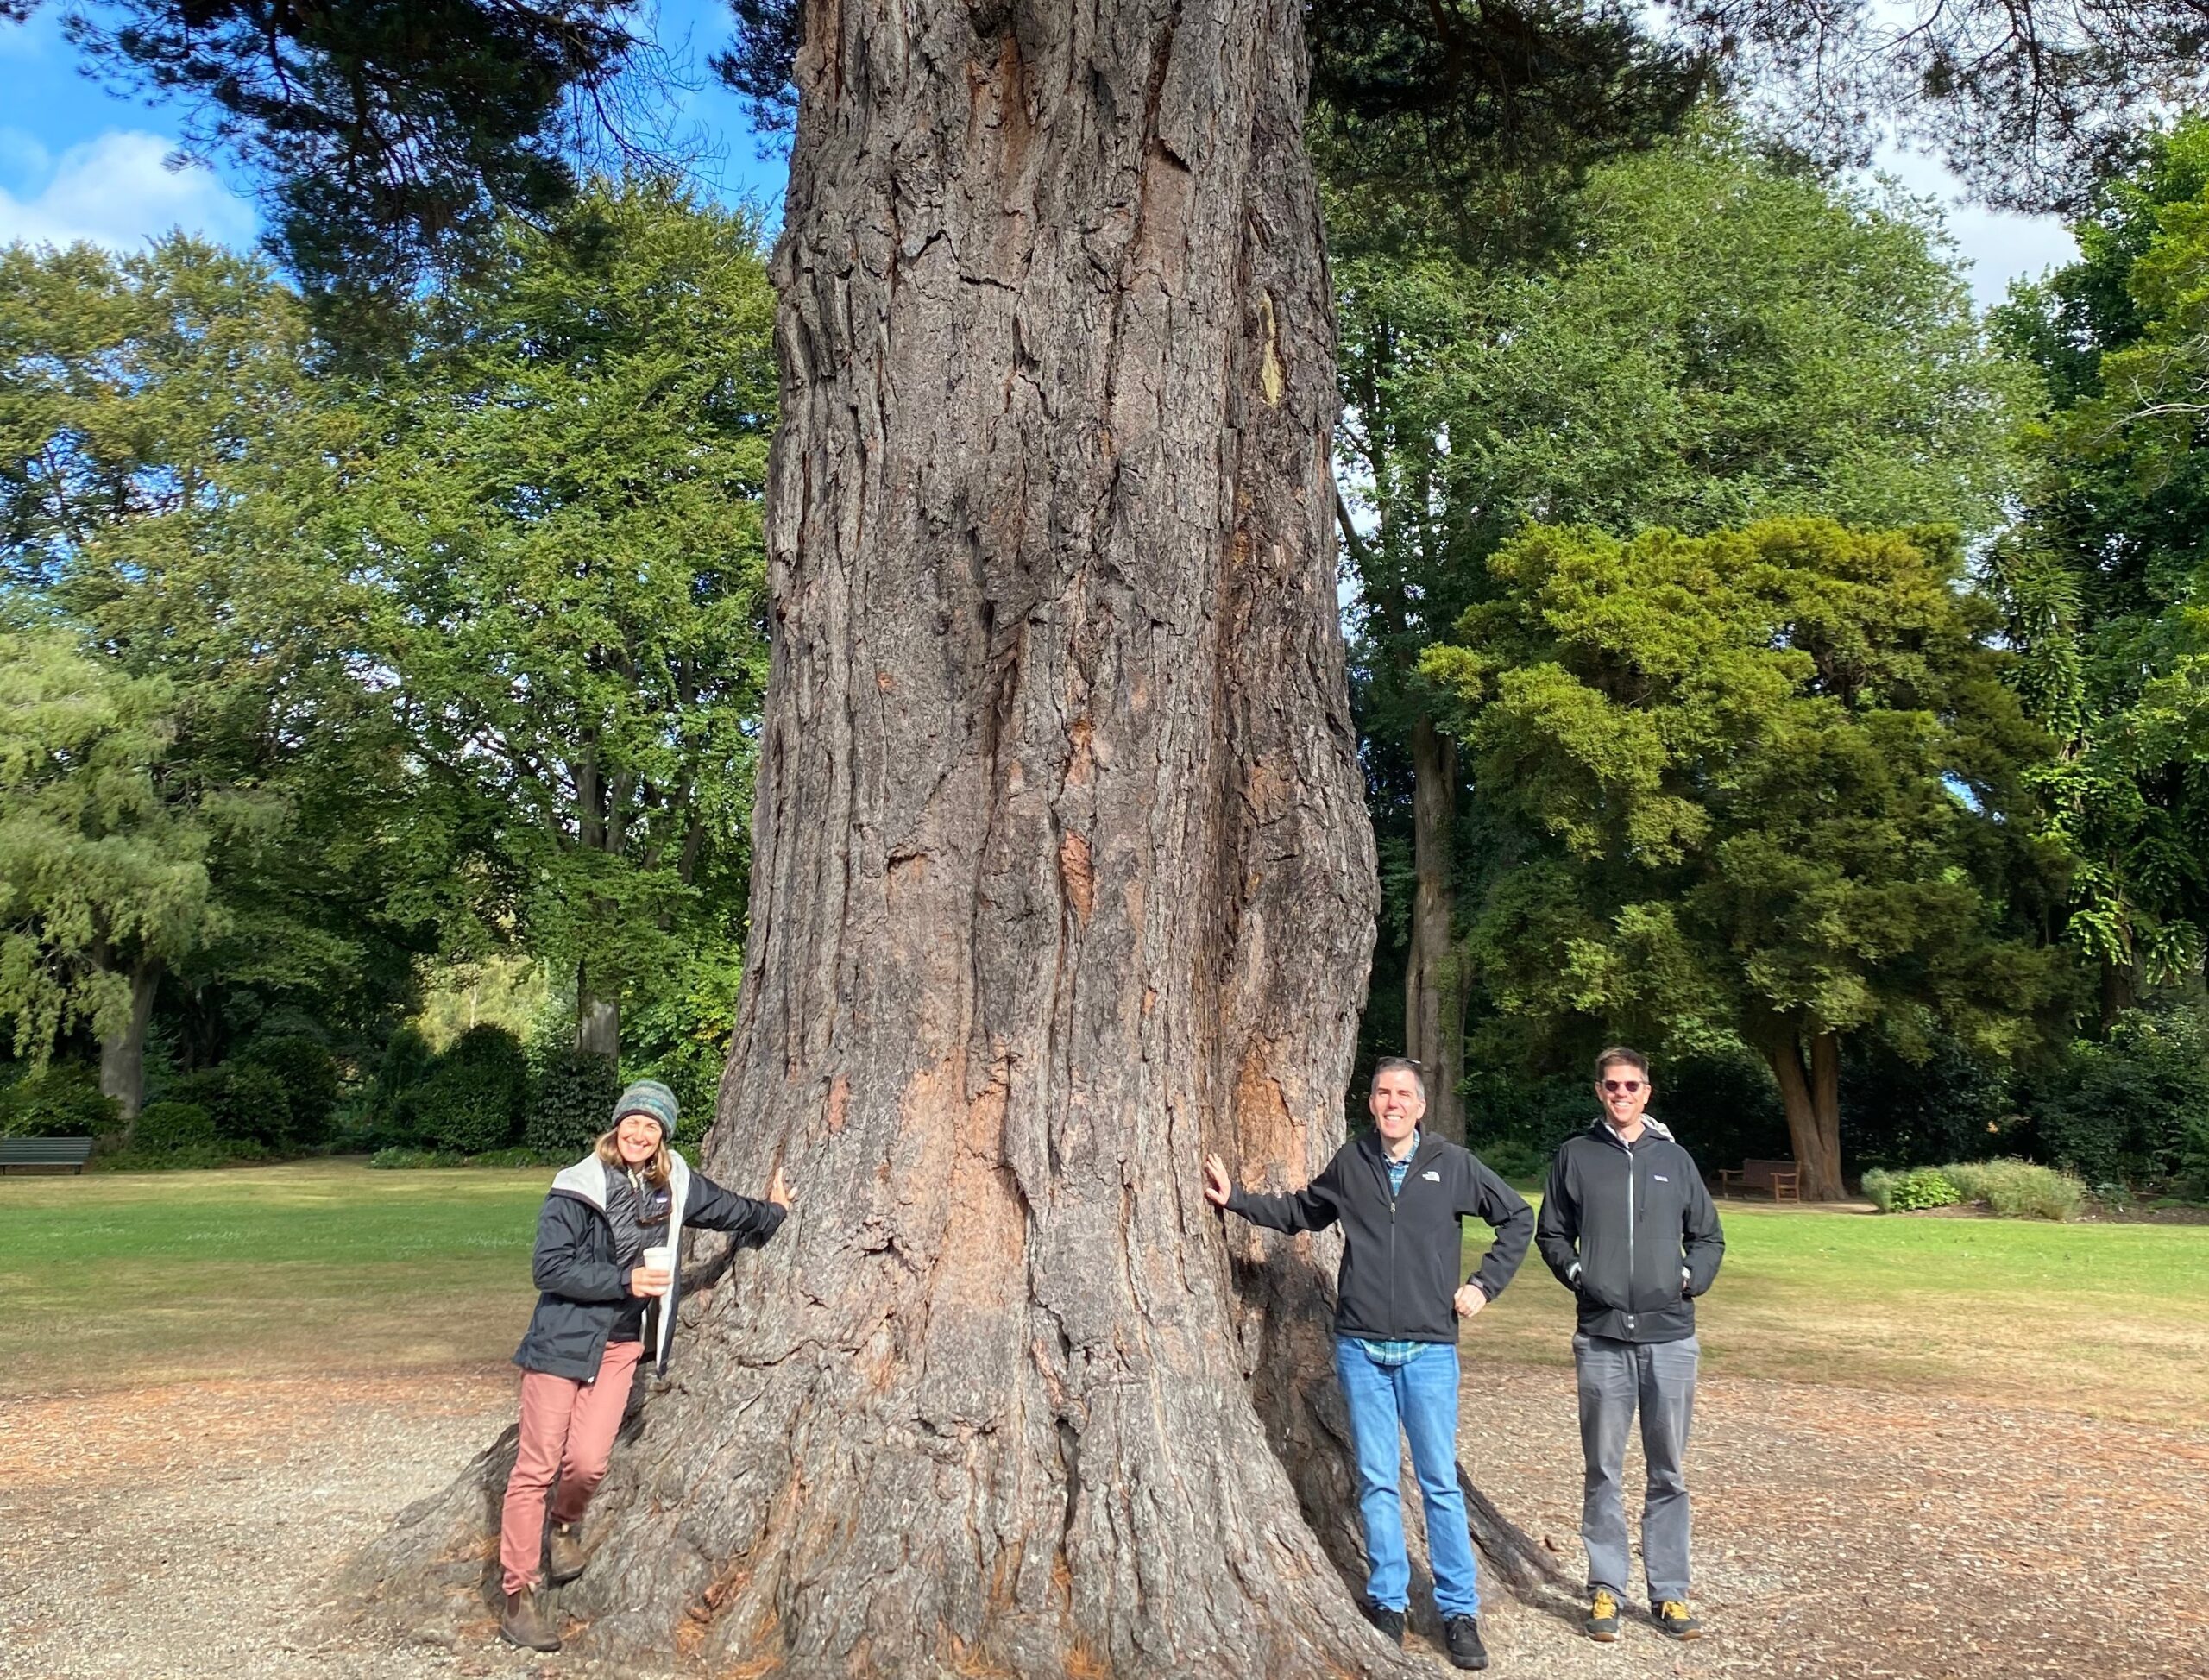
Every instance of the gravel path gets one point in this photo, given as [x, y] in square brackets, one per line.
[186, 1532]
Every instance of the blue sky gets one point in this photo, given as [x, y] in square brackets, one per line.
[78, 161]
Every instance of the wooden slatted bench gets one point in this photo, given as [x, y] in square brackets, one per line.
[56, 1152]
[1783, 1179]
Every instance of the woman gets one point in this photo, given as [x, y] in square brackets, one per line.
[600, 1308]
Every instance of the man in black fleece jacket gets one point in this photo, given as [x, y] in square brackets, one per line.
[1628, 1226]
[1399, 1197]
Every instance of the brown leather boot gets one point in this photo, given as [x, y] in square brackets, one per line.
[563, 1553]
[526, 1622]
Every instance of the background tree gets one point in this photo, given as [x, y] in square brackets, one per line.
[1720, 337]
[563, 523]
[169, 466]
[1772, 781]
[103, 858]
[387, 138]
[2102, 574]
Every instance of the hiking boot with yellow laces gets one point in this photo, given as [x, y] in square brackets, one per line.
[1676, 1619]
[1603, 1616]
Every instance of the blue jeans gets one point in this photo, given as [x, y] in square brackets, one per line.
[1420, 1399]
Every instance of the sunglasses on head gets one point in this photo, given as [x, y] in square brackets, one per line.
[1626, 1087]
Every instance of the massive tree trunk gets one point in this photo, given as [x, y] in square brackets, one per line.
[1811, 1098]
[123, 1053]
[1061, 877]
[1434, 995]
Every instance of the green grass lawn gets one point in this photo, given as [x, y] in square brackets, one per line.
[2101, 1318]
[122, 1279]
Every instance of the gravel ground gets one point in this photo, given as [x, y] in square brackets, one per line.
[173, 1533]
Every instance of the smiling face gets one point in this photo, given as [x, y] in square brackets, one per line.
[1396, 1104]
[1623, 1089]
[637, 1139]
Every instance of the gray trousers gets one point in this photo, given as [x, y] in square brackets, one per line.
[1615, 1378]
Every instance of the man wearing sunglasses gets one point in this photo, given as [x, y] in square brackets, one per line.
[1628, 1227]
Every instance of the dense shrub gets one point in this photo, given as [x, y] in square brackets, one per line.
[164, 1128]
[61, 1099]
[1508, 1158]
[256, 1106]
[2136, 1106]
[473, 1096]
[1927, 1186]
[571, 1100]
[184, 1157]
[2019, 1189]
[2014, 1189]
[308, 1074]
[406, 1062]
[1944, 1104]
[396, 1157]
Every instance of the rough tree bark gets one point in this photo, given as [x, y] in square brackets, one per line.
[1061, 877]
[598, 1017]
[1434, 998]
[1810, 1095]
[123, 1054]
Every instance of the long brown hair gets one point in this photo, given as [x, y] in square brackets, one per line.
[658, 1171]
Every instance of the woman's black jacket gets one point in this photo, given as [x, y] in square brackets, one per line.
[584, 1285]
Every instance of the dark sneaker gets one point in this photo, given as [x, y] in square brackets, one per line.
[1463, 1635]
[1603, 1616]
[563, 1553]
[1676, 1619]
[1390, 1622]
[527, 1625]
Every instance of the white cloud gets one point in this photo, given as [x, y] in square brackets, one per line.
[115, 190]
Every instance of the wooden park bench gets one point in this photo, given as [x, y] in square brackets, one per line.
[1781, 1178]
[70, 1152]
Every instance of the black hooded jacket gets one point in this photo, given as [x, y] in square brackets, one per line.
[584, 1297]
[1630, 1232]
[1401, 1253]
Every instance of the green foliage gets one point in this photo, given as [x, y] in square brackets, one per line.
[256, 1106]
[571, 1100]
[202, 1155]
[307, 1072]
[59, 1099]
[396, 1157]
[102, 867]
[405, 1063]
[165, 1128]
[1509, 1158]
[170, 470]
[473, 1098]
[2019, 1189]
[384, 139]
[2134, 1106]
[1940, 1101]
[568, 508]
[2013, 1189]
[2102, 576]
[1928, 1186]
[1765, 782]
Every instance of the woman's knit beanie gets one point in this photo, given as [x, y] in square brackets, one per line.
[652, 1100]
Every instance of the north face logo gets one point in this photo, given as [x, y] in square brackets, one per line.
[1432, 1174]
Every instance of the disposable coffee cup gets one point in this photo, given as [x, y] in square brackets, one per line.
[660, 1257]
